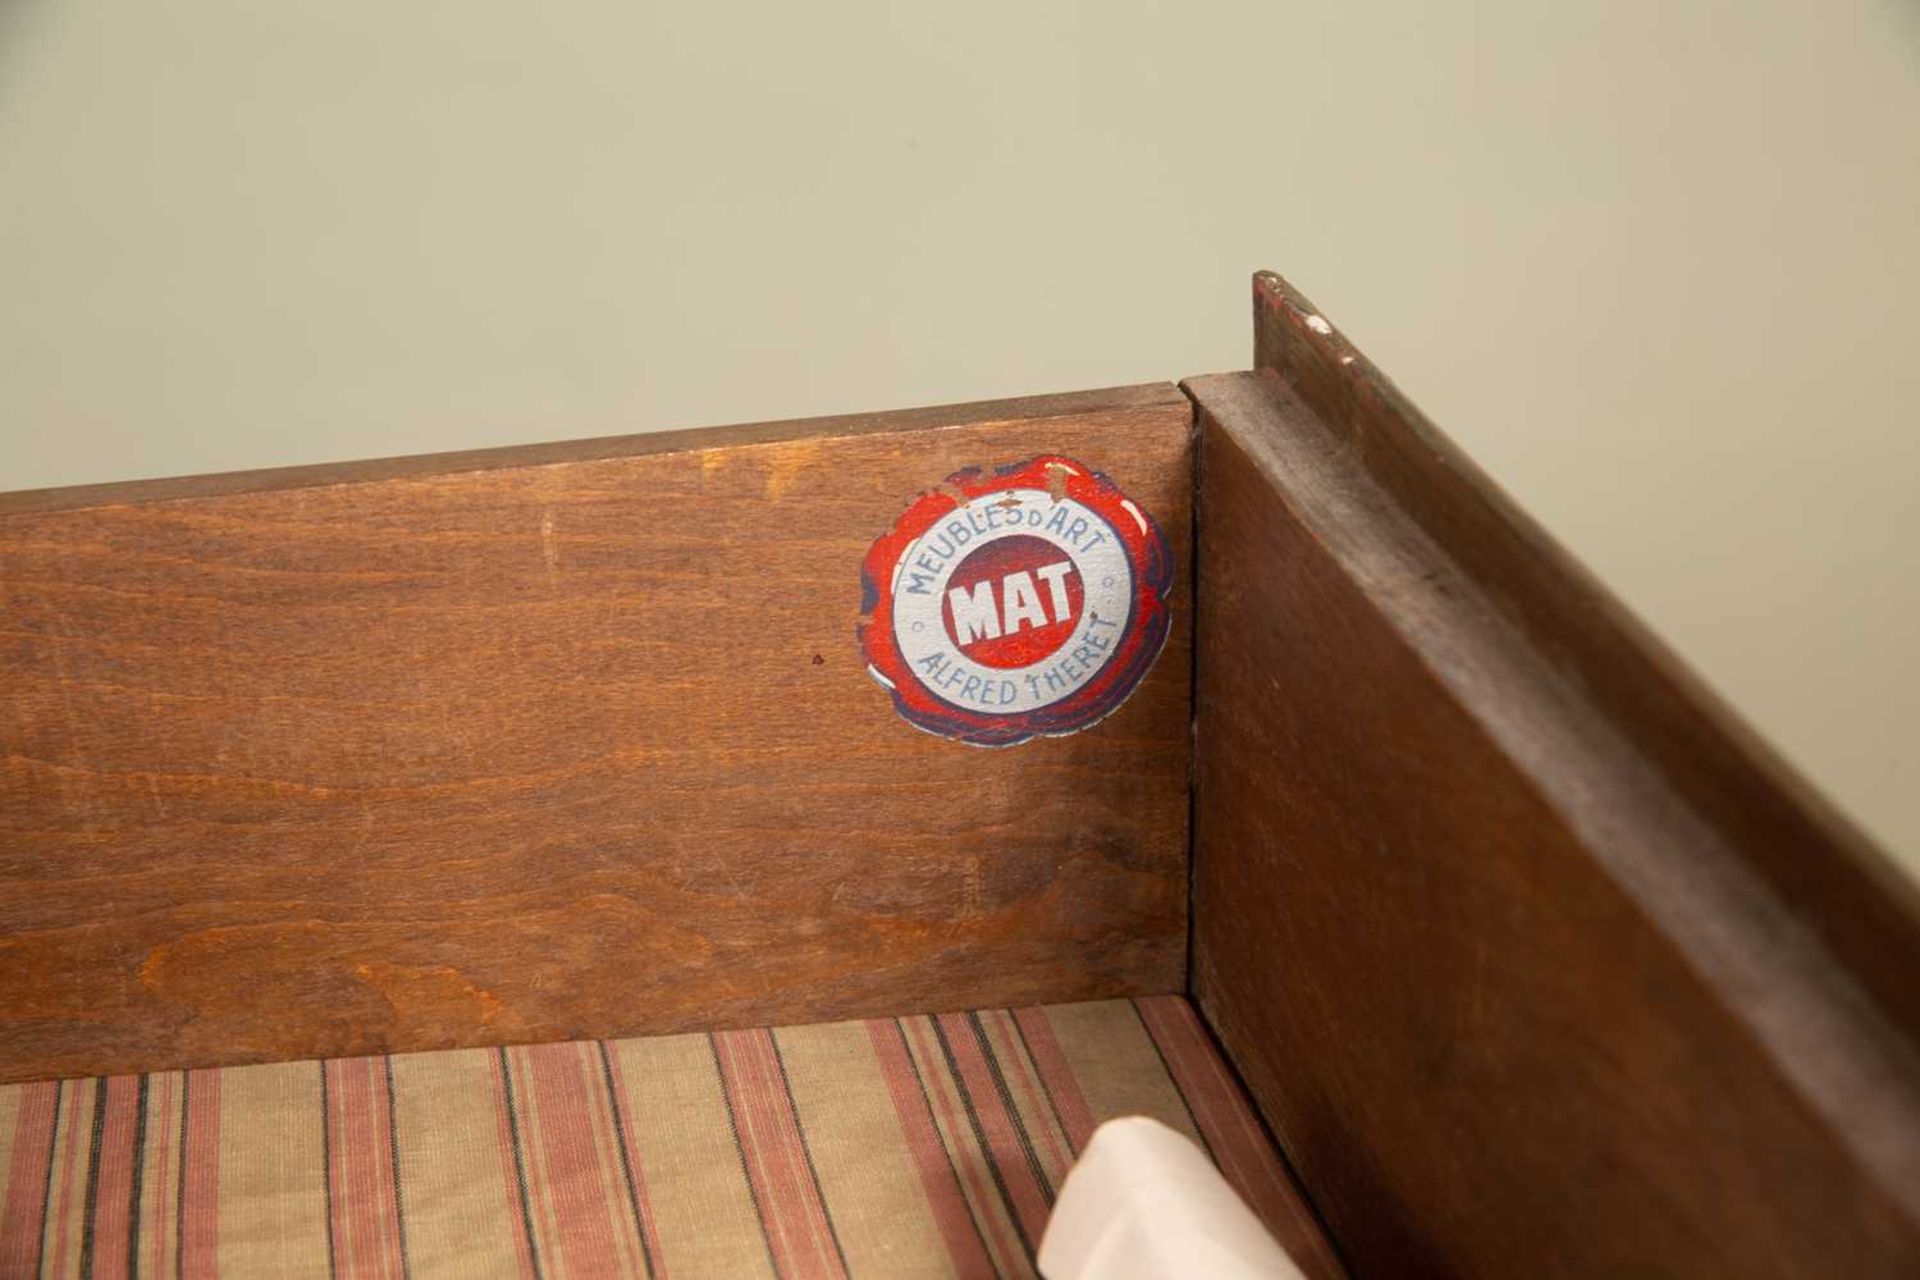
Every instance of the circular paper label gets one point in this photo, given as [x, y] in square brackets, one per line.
[1023, 602]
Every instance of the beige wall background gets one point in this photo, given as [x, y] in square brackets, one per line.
[1654, 264]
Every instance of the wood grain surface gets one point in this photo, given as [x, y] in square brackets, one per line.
[1536, 964]
[547, 743]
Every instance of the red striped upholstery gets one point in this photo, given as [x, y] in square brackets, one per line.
[896, 1147]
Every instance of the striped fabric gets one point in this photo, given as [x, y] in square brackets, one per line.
[921, 1146]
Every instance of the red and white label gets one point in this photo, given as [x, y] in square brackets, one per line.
[1024, 602]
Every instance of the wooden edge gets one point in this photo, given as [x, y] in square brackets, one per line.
[1499, 782]
[640, 444]
[1865, 910]
[1312, 1245]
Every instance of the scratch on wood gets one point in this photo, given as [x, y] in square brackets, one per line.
[435, 987]
[971, 898]
[549, 546]
[785, 462]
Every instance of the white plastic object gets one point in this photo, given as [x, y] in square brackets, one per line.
[1144, 1203]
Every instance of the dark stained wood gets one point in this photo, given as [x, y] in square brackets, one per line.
[1862, 905]
[1534, 961]
[547, 743]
